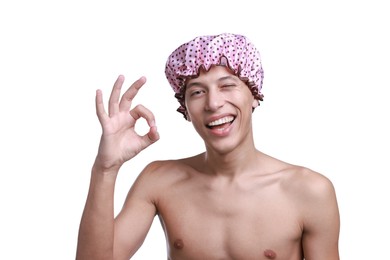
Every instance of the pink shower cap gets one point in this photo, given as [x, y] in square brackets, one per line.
[232, 50]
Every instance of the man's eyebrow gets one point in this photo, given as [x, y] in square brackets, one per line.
[192, 84]
[228, 77]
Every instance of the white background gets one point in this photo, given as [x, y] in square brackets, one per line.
[326, 105]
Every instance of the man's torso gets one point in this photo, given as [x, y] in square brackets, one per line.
[251, 217]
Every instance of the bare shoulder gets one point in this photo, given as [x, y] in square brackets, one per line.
[161, 178]
[298, 179]
[306, 182]
[312, 193]
[160, 174]
[165, 168]
[175, 167]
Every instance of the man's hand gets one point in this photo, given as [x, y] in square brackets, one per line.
[120, 142]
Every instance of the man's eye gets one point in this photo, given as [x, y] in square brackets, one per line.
[228, 85]
[197, 92]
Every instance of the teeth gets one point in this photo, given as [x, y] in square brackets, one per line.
[221, 121]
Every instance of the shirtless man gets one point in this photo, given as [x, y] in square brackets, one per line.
[230, 202]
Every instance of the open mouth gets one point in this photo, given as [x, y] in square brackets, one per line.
[221, 123]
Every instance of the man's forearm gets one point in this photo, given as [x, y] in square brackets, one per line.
[96, 233]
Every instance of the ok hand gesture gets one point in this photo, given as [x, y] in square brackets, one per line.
[120, 142]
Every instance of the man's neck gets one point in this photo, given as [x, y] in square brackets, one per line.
[231, 164]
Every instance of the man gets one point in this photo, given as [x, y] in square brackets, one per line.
[230, 202]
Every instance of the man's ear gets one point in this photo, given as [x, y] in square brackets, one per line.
[255, 103]
[188, 117]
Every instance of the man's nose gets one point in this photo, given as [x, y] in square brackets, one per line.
[215, 100]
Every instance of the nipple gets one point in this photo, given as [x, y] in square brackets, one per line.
[269, 254]
[178, 244]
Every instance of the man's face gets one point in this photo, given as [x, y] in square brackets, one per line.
[220, 106]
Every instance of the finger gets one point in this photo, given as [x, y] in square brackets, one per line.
[151, 137]
[129, 95]
[115, 94]
[141, 111]
[100, 110]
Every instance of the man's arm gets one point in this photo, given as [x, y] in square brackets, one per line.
[131, 227]
[96, 231]
[321, 224]
[119, 143]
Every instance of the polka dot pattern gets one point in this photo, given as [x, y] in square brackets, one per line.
[232, 50]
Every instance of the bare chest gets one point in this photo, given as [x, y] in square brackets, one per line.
[210, 224]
